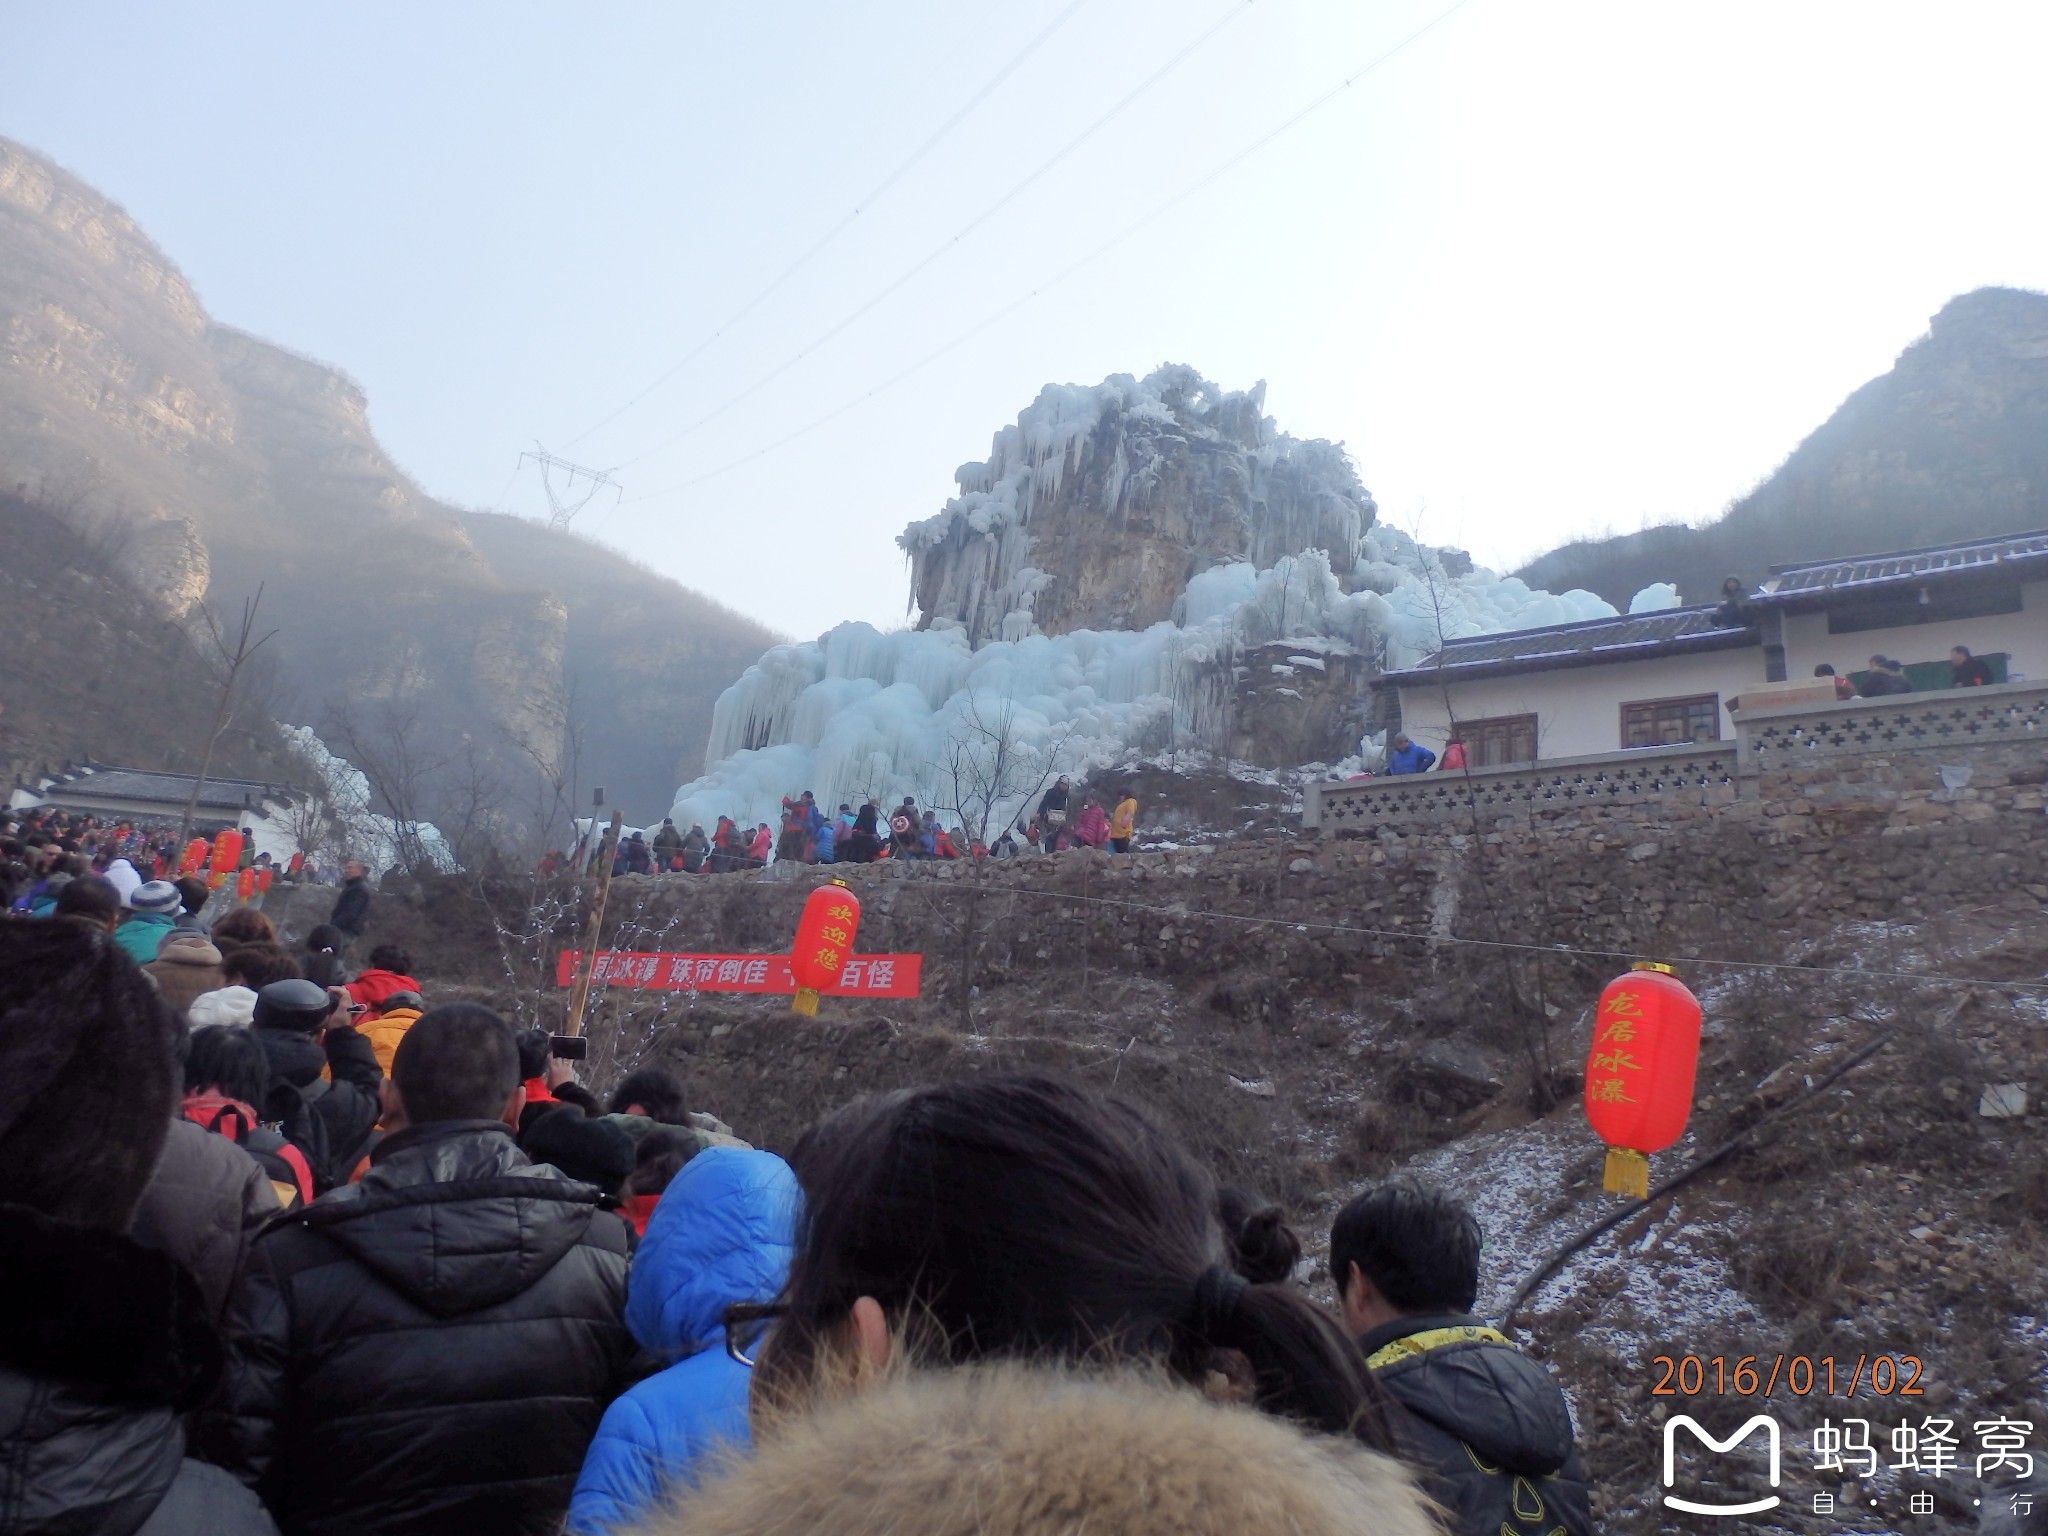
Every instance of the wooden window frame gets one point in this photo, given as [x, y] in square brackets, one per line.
[1688, 700]
[1463, 730]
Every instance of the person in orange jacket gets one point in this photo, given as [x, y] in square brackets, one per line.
[1123, 823]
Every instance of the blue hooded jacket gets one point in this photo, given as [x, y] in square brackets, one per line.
[827, 839]
[723, 1232]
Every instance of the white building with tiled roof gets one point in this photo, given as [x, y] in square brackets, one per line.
[1671, 677]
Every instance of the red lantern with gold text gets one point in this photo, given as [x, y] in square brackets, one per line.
[245, 885]
[193, 857]
[227, 851]
[824, 940]
[1639, 1071]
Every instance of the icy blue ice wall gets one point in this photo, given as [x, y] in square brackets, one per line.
[1092, 589]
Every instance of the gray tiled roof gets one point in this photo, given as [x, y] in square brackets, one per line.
[1625, 637]
[161, 788]
[1907, 565]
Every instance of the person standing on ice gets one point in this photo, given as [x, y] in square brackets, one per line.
[1406, 757]
[1052, 813]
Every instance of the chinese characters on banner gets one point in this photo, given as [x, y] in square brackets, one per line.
[1610, 1074]
[859, 975]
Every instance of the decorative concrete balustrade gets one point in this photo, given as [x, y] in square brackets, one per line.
[1775, 740]
[1772, 749]
[1705, 772]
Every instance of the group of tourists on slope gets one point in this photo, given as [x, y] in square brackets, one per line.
[310, 1253]
[864, 835]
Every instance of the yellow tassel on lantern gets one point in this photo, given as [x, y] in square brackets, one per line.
[1627, 1173]
[805, 1002]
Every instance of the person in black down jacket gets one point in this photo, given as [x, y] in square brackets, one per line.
[429, 1349]
[1487, 1425]
[104, 1344]
[330, 1118]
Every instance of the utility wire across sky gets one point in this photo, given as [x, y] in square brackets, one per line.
[1237, 8]
[1157, 212]
[865, 203]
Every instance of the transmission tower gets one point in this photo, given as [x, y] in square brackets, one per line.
[580, 485]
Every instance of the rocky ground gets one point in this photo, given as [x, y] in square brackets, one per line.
[1309, 1018]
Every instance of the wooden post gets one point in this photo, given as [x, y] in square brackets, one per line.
[579, 996]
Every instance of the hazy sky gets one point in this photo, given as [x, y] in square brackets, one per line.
[1553, 268]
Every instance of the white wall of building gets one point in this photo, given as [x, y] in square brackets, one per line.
[1578, 709]
[2022, 635]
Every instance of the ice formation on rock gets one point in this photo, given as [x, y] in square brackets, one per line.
[361, 832]
[1096, 583]
[1654, 598]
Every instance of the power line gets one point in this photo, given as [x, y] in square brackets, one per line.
[1157, 213]
[861, 206]
[1237, 8]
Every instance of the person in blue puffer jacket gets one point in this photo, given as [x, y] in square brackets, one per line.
[825, 842]
[723, 1233]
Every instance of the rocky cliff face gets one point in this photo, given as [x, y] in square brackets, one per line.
[1095, 509]
[229, 462]
[1952, 443]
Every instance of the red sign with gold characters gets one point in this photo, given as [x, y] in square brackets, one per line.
[859, 975]
[1639, 1071]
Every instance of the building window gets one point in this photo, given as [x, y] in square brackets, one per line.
[1497, 742]
[1671, 722]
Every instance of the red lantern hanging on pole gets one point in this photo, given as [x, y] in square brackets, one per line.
[245, 885]
[824, 940]
[193, 857]
[1639, 1071]
[227, 851]
[264, 876]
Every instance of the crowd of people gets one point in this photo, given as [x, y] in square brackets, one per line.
[293, 1246]
[863, 835]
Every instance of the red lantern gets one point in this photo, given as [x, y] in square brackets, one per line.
[227, 851]
[263, 879]
[824, 939]
[245, 885]
[1639, 1072]
[192, 858]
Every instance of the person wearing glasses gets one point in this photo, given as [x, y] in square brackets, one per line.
[1012, 1296]
[721, 1236]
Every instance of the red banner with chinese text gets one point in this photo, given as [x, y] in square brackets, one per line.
[862, 975]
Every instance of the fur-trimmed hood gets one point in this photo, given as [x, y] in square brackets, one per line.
[1022, 1451]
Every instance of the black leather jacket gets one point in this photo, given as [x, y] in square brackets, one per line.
[1486, 1425]
[427, 1350]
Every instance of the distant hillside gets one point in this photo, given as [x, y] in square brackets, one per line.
[237, 462]
[130, 685]
[1951, 444]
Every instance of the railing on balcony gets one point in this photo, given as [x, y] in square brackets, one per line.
[1705, 770]
[1774, 740]
[1768, 741]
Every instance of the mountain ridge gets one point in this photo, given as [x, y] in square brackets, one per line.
[233, 461]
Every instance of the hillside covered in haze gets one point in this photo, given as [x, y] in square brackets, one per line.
[229, 462]
[1951, 444]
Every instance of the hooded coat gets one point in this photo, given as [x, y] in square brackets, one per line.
[186, 967]
[345, 1102]
[373, 986]
[104, 1345]
[1486, 1423]
[722, 1233]
[428, 1349]
[1017, 1451]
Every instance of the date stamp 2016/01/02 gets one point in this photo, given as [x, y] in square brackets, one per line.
[1788, 1375]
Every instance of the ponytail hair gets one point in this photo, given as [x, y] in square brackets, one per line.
[1001, 1217]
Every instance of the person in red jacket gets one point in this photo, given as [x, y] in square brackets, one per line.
[762, 845]
[390, 972]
